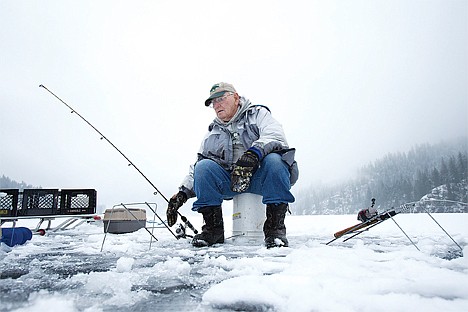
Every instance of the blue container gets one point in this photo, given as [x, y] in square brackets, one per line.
[15, 236]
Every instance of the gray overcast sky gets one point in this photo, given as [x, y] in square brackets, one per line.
[349, 80]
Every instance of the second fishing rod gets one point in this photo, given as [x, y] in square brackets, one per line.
[130, 163]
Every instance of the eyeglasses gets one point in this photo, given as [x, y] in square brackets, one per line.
[220, 99]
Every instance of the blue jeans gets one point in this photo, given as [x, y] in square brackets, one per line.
[212, 183]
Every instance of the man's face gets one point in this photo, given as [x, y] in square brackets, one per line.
[226, 106]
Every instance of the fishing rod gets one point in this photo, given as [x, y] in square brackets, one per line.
[376, 219]
[130, 163]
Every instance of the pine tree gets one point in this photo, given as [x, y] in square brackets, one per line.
[436, 179]
[462, 164]
[444, 172]
[452, 168]
[422, 184]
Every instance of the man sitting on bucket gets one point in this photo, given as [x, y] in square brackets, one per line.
[245, 150]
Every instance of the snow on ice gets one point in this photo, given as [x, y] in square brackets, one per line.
[380, 270]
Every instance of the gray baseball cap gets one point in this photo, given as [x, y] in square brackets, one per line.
[218, 90]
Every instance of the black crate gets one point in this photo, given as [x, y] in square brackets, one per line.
[78, 201]
[8, 202]
[39, 202]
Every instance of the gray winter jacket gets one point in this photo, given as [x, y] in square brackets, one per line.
[251, 126]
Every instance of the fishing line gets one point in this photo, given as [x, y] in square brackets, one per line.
[130, 163]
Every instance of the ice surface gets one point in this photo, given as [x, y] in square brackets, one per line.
[380, 270]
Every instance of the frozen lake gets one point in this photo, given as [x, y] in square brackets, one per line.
[380, 270]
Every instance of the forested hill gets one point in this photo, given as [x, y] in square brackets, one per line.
[425, 172]
[8, 183]
[437, 172]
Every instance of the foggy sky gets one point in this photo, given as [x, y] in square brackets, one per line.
[349, 80]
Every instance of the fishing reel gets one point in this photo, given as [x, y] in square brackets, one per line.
[181, 231]
[367, 213]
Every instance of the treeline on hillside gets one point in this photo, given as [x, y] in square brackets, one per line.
[7, 183]
[429, 172]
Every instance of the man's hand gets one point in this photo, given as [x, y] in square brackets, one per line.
[243, 171]
[174, 204]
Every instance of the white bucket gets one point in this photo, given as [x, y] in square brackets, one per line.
[248, 217]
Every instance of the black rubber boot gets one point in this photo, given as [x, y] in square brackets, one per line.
[213, 230]
[274, 228]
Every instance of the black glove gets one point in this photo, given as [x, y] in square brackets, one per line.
[243, 171]
[174, 204]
